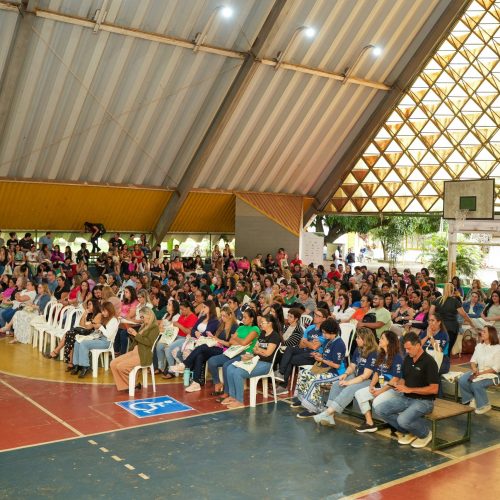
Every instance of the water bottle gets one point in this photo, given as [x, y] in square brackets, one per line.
[187, 377]
[381, 380]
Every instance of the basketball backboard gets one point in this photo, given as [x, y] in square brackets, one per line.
[474, 199]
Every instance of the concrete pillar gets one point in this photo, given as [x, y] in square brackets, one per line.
[255, 233]
[452, 249]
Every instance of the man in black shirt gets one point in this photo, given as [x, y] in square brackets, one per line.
[414, 395]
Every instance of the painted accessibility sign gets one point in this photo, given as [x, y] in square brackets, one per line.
[152, 407]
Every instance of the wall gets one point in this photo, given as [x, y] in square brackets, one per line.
[255, 233]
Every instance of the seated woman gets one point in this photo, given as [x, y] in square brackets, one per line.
[388, 368]
[342, 312]
[21, 323]
[491, 312]
[402, 315]
[102, 339]
[267, 343]
[245, 335]
[23, 298]
[141, 353]
[201, 354]
[485, 364]
[62, 290]
[421, 319]
[89, 321]
[366, 303]
[357, 376]
[327, 368]
[185, 324]
[206, 326]
[127, 319]
[436, 337]
[172, 314]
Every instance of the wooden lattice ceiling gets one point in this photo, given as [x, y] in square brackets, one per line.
[445, 128]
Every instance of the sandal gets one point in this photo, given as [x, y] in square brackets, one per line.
[167, 375]
[217, 393]
[219, 400]
[49, 355]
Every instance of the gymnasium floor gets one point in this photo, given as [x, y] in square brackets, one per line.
[62, 438]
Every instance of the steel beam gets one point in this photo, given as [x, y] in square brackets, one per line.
[448, 19]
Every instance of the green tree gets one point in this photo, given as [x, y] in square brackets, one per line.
[396, 228]
[338, 225]
[436, 257]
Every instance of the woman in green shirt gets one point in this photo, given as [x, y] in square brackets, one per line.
[245, 335]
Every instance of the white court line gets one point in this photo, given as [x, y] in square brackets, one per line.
[40, 407]
[129, 467]
[117, 458]
[104, 450]
[143, 475]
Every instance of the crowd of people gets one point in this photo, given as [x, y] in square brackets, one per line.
[237, 318]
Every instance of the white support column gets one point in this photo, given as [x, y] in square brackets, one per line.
[452, 249]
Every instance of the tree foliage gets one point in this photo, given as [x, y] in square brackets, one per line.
[436, 257]
[338, 225]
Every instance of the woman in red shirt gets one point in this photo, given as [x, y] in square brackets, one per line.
[185, 324]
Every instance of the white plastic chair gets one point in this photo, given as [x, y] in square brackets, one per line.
[71, 322]
[346, 334]
[41, 319]
[54, 314]
[255, 380]
[133, 372]
[55, 332]
[96, 356]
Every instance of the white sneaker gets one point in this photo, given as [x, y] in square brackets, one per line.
[405, 438]
[278, 376]
[194, 387]
[178, 368]
[472, 403]
[422, 442]
[324, 418]
[483, 409]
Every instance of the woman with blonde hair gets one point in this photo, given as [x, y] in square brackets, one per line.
[141, 353]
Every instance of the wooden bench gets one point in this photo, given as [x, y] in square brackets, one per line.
[444, 410]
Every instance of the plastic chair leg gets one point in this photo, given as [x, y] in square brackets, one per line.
[131, 381]
[153, 381]
[95, 363]
[273, 381]
[106, 360]
[265, 390]
[144, 377]
[253, 392]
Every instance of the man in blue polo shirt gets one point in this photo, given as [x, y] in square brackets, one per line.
[312, 341]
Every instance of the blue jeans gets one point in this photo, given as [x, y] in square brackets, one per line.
[235, 378]
[176, 344]
[341, 396]
[81, 350]
[406, 415]
[474, 390]
[215, 362]
[5, 316]
[121, 341]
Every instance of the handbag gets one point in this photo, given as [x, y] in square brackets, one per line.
[248, 365]
[318, 368]
[436, 354]
[487, 376]
[468, 343]
[234, 350]
[169, 335]
[209, 341]
[457, 347]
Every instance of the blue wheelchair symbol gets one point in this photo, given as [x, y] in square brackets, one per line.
[152, 407]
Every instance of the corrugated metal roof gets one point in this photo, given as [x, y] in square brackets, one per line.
[289, 125]
[282, 209]
[65, 207]
[206, 213]
[8, 20]
[109, 108]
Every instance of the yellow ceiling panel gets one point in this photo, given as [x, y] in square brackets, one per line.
[65, 207]
[205, 213]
